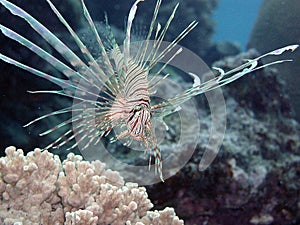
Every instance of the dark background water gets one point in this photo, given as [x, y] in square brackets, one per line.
[234, 20]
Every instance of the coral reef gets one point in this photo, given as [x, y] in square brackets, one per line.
[39, 189]
[277, 25]
[254, 180]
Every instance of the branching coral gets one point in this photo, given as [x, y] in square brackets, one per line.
[39, 189]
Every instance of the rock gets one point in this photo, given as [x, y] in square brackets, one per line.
[277, 25]
[257, 168]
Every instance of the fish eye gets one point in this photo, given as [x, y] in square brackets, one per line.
[137, 108]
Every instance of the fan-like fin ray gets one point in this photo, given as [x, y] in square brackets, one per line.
[55, 42]
[222, 79]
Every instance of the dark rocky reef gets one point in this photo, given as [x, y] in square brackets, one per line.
[255, 177]
[277, 25]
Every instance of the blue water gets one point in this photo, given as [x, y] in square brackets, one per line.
[235, 19]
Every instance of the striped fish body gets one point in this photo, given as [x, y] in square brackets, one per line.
[135, 113]
[131, 105]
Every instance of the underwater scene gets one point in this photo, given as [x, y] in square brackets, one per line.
[150, 112]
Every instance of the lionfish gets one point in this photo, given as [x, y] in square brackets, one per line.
[121, 79]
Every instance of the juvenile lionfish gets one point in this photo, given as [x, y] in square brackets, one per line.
[117, 86]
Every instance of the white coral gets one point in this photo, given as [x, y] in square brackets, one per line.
[39, 189]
